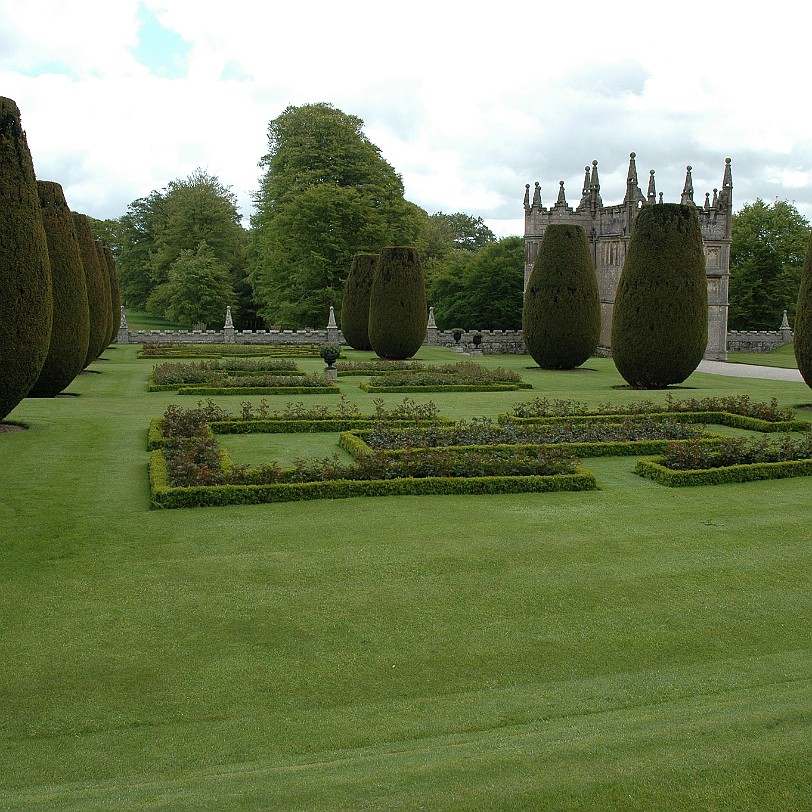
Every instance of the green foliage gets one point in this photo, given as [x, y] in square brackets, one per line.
[355, 304]
[197, 290]
[398, 314]
[26, 303]
[159, 227]
[660, 318]
[162, 350]
[327, 195]
[561, 319]
[802, 333]
[766, 260]
[481, 289]
[115, 290]
[71, 320]
[99, 297]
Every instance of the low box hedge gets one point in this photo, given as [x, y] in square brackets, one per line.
[371, 386]
[327, 389]
[654, 469]
[164, 496]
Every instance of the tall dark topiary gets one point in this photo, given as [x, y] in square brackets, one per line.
[26, 303]
[398, 312]
[561, 317]
[355, 303]
[115, 291]
[802, 329]
[660, 318]
[71, 322]
[98, 289]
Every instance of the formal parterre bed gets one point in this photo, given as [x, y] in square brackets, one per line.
[411, 449]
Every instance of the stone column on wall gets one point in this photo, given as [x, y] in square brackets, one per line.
[123, 335]
[786, 332]
[431, 328]
[229, 333]
[333, 333]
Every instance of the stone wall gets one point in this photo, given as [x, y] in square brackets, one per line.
[757, 340]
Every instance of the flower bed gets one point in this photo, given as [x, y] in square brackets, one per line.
[170, 375]
[377, 366]
[733, 459]
[465, 376]
[735, 411]
[187, 468]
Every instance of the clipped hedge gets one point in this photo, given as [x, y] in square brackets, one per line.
[654, 469]
[802, 327]
[355, 301]
[168, 350]
[164, 496]
[371, 386]
[561, 317]
[736, 421]
[327, 389]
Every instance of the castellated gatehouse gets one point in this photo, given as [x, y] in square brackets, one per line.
[609, 228]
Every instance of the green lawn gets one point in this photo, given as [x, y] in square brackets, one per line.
[139, 320]
[631, 648]
[781, 357]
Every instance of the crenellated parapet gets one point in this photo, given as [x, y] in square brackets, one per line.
[609, 229]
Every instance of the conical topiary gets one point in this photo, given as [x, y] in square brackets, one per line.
[561, 317]
[98, 289]
[398, 312]
[26, 304]
[355, 303]
[115, 291]
[71, 323]
[802, 329]
[660, 317]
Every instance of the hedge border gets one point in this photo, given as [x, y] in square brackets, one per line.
[654, 469]
[164, 496]
[730, 419]
[330, 389]
[353, 443]
[369, 386]
[256, 351]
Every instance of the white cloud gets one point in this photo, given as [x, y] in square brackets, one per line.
[467, 102]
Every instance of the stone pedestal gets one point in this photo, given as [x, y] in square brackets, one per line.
[330, 374]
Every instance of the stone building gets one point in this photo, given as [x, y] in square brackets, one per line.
[609, 228]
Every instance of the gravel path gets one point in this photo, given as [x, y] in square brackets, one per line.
[749, 371]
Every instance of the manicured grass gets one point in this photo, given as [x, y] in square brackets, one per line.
[781, 357]
[635, 647]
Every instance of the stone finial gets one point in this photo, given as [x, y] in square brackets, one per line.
[537, 196]
[660, 198]
[229, 325]
[123, 325]
[726, 192]
[652, 191]
[561, 202]
[432, 325]
[687, 190]
[595, 187]
[526, 196]
[633, 193]
[585, 191]
[785, 322]
[707, 201]
[715, 201]
[331, 320]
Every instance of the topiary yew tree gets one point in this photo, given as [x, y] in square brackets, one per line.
[802, 329]
[71, 322]
[561, 317]
[98, 289]
[115, 291]
[26, 303]
[398, 312]
[660, 318]
[355, 302]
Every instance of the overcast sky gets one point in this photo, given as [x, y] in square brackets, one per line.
[468, 101]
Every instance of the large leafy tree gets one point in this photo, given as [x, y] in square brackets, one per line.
[158, 227]
[326, 195]
[482, 288]
[766, 260]
[198, 289]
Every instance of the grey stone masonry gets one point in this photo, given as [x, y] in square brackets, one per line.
[609, 229]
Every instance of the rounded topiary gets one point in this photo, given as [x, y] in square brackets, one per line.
[71, 323]
[26, 303]
[561, 317]
[355, 303]
[98, 289]
[802, 329]
[660, 317]
[398, 312]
